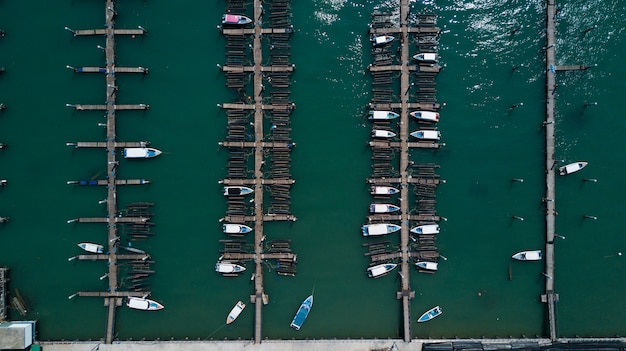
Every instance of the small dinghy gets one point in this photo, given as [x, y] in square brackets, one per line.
[141, 152]
[428, 116]
[532, 255]
[229, 268]
[383, 208]
[143, 304]
[429, 57]
[381, 133]
[380, 270]
[235, 312]
[427, 134]
[237, 191]
[235, 228]
[429, 266]
[381, 39]
[379, 229]
[93, 248]
[430, 314]
[235, 19]
[572, 167]
[383, 190]
[382, 115]
[426, 229]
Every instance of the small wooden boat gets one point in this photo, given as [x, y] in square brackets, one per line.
[380, 270]
[430, 314]
[381, 39]
[429, 266]
[229, 268]
[143, 304]
[235, 19]
[532, 255]
[379, 229]
[382, 115]
[572, 167]
[237, 190]
[235, 312]
[426, 229]
[141, 152]
[236, 228]
[428, 116]
[430, 57]
[383, 190]
[383, 208]
[381, 133]
[302, 313]
[93, 248]
[427, 134]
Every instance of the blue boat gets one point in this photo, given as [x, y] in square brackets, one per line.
[302, 313]
[430, 314]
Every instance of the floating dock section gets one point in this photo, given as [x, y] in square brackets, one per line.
[122, 224]
[392, 140]
[259, 152]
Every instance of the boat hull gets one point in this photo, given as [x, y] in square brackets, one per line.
[426, 134]
[430, 314]
[379, 229]
[143, 304]
[235, 228]
[93, 248]
[426, 229]
[229, 268]
[237, 191]
[141, 152]
[383, 190]
[383, 208]
[572, 167]
[532, 255]
[235, 312]
[429, 266]
[302, 313]
[380, 270]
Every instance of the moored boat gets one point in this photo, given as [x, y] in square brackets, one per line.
[93, 248]
[235, 19]
[381, 133]
[383, 115]
[379, 229]
[380, 270]
[430, 57]
[383, 208]
[141, 152]
[237, 190]
[139, 303]
[230, 228]
[531, 255]
[302, 313]
[572, 167]
[430, 314]
[429, 116]
[429, 266]
[229, 268]
[426, 229]
[427, 134]
[235, 312]
[381, 39]
[383, 190]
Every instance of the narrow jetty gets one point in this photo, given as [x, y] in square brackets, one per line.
[419, 80]
[115, 218]
[247, 138]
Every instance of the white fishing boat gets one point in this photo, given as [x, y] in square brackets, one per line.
[139, 303]
[429, 266]
[380, 270]
[383, 115]
[141, 152]
[383, 190]
[379, 229]
[381, 39]
[426, 134]
[229, 268]
[572, 167]
[235, 19]
[428, 116]
[383, 208]
[430, 314]
[430, 57]
[381, 133]
[531, 255]
[230, 228]
[93, 248]
[426, 229]
[237, 190]
[235, 312]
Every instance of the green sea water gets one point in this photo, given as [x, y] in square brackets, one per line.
[487, 145]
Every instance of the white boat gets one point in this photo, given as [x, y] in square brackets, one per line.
[229, 228]
[235, 312]
[93, 248]
[572, 167]
[379, 229]
[429, 116]
[381, 133]
[235, 19]
[141, 152]
[382, 39]
[139, 303]
[430, 314]
[227, 268]
[426, 57]
[380, 270]
[426, 134]
[383, 190]
[383, 208]
[532, 255]
[383, 115]
[426, 229]
[237, 190]
[429, 266]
